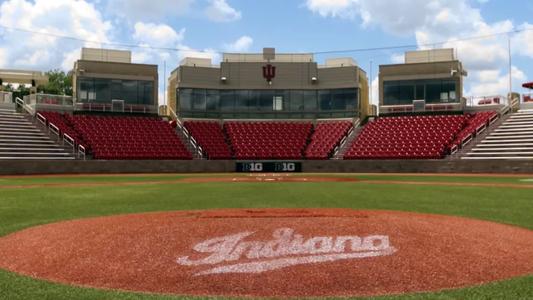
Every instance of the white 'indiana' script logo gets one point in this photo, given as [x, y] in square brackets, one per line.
[284, 250]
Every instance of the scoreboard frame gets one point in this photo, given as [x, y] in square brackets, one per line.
[268, 167]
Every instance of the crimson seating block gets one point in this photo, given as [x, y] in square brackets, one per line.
[473, 122]
[210, 137]
[407, 137]
[326, 136]
[129, 138]
[268, 140]
[63, 124]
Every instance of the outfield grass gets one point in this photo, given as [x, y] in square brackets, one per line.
[29, 206]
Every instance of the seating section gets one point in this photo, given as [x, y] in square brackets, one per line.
[130, 137]
[268, 140]
[474, 122]
[325, 138]
[63, 124]
[410, 137]
[210, 137]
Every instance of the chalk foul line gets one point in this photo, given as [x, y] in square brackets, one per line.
[263, 266]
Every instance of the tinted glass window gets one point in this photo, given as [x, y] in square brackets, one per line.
[227, 100]
[310, 101]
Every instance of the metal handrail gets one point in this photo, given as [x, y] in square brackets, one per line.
[54, 129]
[69, 140]
[25, 106]
[82, 151]
[186, 132]
[41, 119]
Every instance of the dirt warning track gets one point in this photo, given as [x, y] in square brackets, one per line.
[271, 252]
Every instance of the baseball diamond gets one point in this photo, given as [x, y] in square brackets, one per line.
[247, 172]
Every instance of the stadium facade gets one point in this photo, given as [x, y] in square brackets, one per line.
[108, 77]
[269, 85]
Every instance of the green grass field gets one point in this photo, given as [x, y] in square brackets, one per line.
[26, 202]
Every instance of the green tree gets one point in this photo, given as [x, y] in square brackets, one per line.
[59, 83]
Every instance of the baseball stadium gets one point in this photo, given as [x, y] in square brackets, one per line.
[264, 176]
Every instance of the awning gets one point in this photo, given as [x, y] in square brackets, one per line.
[528, 85]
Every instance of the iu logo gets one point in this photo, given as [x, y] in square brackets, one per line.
[269, 72]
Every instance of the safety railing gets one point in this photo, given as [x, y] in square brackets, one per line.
[108, 107]
[22, 104]
[409, 108]
[82, 152]
[54, 130]
[186, 132]
[67, 139]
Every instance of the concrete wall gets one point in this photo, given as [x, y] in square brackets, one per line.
[337, 166]
[249, 76]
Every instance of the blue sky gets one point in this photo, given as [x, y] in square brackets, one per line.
[207, 27]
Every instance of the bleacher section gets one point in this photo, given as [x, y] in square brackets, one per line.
[122, 137]
[63, 123]
[130, 138]
[268, 140]
[475, 124]
[408, 137]
[326, 138]
[210, 137]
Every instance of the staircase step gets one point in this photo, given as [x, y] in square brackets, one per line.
[517, 129]
[25, 137]
[26, 141]
[503, 140]
[15, 123]
[509, 134]
[501, 153]
[499, 158]
[488, 145]
[500, 149]
[26, 149]
[11, 129]
[35, 158]
[3, 144]
[34, 154]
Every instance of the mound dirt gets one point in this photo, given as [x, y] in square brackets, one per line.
[271, 252]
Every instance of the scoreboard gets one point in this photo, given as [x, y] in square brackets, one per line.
[269, 167]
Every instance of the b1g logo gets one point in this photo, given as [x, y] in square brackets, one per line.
[287, 248]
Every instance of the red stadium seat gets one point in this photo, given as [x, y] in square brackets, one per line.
[268, 140]
[408, 137]
[325, 138]
[211, 138]
[123, 138]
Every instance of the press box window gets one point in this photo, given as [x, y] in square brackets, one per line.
[278, 103]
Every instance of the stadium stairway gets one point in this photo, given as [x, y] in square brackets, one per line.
[185, 140]
[513, 139]
[21, 140]
[347, 143]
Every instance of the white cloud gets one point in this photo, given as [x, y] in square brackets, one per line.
[60, 17]
[157, 35]
[143, 10]
[398, 58]
[436, 21]
[375, 91]
[493, 83]
[242, 44]
[3, 57]
[333, 8]
[521, 42]
[221, 11]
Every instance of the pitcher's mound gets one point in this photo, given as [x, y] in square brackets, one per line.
[271, 252]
